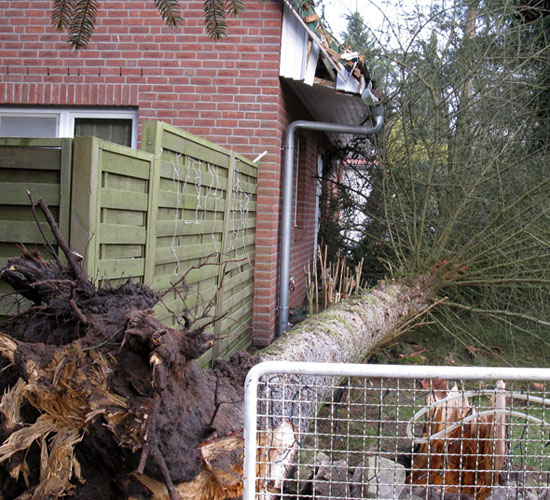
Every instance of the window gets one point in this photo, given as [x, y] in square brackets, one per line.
[28, 126]
[301, 182]
[114, 130]
[114, 125]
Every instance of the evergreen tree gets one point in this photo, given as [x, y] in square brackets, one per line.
[356, 34]
[464, 163]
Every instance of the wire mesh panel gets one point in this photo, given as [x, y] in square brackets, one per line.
[332, 431]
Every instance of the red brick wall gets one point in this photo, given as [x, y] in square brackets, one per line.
[267, 234]
[227, 92]
[303, 232]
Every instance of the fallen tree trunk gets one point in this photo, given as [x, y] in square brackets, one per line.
[101, 400]
[348, 331]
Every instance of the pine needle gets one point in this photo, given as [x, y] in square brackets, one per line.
[215, 18]
[234, 7]
[82, 24]
[169, 11]
[62, 13]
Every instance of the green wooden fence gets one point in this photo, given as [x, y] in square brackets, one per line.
[42, 166]
[110, 216]
[205, 212]
[183, 208]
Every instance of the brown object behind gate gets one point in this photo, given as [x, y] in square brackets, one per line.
[469, 457]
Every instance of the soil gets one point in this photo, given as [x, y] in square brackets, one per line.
[144, 402]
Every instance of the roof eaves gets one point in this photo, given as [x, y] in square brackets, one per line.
[339, 61]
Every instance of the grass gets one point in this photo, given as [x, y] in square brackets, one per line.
[484, 345]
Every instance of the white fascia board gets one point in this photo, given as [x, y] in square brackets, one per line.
[294, 38]
[312, 60]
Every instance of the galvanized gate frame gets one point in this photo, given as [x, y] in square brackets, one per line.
[340, 371]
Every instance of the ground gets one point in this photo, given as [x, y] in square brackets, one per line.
[490, 345]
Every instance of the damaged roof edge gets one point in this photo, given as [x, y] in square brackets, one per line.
[314, 37]
[304, 46]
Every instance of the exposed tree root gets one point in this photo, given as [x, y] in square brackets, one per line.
[100, 399]
[103, 401]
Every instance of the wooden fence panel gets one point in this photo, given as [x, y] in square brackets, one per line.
[183, 208]
[205, 210]
[42, 166]
[110, 210]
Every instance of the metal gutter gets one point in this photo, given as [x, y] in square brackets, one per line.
[377, 115]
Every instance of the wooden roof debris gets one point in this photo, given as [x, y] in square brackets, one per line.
[328, 58]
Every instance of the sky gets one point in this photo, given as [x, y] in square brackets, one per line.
[376, 13]
[335, 11]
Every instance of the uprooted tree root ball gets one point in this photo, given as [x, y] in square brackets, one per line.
[99, 397]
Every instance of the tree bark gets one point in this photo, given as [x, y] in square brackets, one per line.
[345, 333]
[348, 331]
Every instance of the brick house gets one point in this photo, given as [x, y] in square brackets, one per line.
[243, 92]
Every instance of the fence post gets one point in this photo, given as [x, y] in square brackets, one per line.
[152, 143]
[65, 179]
[216, 348]
[85, 214]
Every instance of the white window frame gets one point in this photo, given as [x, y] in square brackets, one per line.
[66, 117]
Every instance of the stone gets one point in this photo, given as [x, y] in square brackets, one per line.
[308, 462]
[331, 481]
[381, 478]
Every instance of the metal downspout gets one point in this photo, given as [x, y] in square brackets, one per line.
[288, 168]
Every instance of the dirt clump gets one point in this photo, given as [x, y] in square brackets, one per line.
[97, 391]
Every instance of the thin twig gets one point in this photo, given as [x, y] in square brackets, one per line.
[75, 267]
[181, 280]
[161, 464]
[76, 309]
[213, 320]
[403, 327]
[104, 342]
[78, 312]
[46, 241]
[151, 429]
[52, 282]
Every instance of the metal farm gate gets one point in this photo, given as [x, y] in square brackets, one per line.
[344, 431]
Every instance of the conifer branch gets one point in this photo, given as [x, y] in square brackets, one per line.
[215, 18]
[169, 11]
[83, 21]
[234, 7]
[62, 13]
